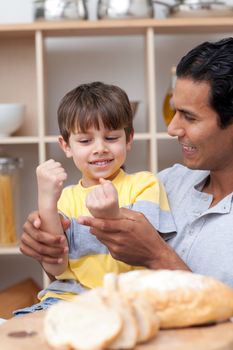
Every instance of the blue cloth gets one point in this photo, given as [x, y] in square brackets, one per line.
[43, 305]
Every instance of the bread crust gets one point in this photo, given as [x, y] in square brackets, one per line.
[180, 298]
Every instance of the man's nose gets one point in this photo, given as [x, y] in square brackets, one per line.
[175, 127]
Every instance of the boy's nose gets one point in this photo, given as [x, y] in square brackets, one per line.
[100, 147]
[175, 127]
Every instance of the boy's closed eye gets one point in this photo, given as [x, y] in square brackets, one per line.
[84, 141]
[107, 138]
[112, 138]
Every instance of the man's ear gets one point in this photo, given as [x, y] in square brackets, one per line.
[130, 140]
[64, 146]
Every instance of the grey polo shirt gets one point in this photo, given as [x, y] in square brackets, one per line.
[204, 238]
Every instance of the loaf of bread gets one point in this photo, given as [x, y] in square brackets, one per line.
[180, 298]
[130, 308]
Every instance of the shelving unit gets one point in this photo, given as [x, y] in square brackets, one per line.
[24, 78]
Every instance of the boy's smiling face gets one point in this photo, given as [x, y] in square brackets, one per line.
[97, 153]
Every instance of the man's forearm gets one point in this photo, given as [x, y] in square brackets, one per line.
[164, 257]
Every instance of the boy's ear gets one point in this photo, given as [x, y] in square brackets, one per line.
[65, 146]
[130, 141]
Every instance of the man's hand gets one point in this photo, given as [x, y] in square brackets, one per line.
[133, 240]
[40, 245]
[102, 201]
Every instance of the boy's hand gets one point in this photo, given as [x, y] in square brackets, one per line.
[102, 201]
[50, 178]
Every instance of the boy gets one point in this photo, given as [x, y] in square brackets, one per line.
[96, 126]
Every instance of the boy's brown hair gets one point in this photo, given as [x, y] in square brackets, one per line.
[88, 104]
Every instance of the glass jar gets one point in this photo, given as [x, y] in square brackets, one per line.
[168, 107]
[9, 199]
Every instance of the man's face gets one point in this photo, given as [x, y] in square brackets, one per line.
[204, 144]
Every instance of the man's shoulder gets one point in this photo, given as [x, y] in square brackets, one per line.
[175, 170]
[180, 174]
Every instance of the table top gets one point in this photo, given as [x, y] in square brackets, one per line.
[26, 332]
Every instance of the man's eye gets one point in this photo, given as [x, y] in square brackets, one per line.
[190, 118]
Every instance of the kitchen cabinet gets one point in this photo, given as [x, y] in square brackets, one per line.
[24, 66]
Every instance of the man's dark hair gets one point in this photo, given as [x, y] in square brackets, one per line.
[212, 63]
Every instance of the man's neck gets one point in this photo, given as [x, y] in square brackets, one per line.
[219, 184]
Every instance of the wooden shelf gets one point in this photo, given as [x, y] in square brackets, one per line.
[118, 27]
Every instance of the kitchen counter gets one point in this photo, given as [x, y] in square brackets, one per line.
[24, 333]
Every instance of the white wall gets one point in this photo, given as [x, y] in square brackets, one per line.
[16, 11]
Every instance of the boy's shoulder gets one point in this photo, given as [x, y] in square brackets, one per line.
[139, 178]
[144, 175]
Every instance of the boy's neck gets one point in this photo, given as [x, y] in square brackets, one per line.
[90, 183]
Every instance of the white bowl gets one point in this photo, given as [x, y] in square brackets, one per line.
[11, 118]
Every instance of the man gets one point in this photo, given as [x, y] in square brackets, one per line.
[200, 193]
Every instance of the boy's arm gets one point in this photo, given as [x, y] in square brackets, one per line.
[102, 201]
[50, 178]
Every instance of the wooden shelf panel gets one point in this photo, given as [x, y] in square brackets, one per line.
[9, 250]
[118, 27]
[18, 140]
[53, 139]
[137, 136]
[163, 136]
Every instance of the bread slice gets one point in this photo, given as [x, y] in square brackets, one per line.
[147, 319]
[85, 323]
[128, 337]
[110, 283]
[180, 298]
